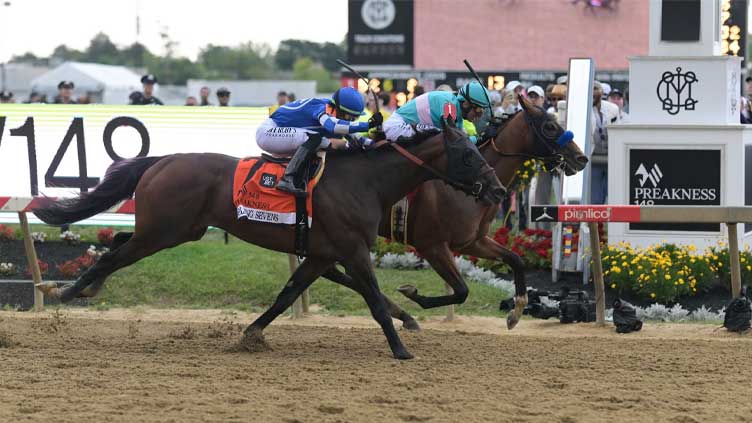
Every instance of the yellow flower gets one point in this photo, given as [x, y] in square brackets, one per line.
[616, 269]
[652, 295]
[613, 285]
[631, 273]
[668, 277]
[681, 281]
[624, 264]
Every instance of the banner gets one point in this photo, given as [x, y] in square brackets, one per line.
[59, 150]
[675, 177]
[380, 32]
[62, 150]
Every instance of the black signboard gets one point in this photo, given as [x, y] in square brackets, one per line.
[673, 178]
[680, 20]
[380, 32]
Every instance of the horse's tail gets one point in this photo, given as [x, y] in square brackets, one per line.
[118, 184]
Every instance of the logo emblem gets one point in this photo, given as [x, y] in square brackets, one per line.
[378, 14]
[540, 213]
[675, 91]
[268, 180]
[654, 175]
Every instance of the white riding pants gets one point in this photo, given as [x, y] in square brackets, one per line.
[282, 141]
[396, 127]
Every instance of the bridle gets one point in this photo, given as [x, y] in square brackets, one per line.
[552, 159]
[476, 189]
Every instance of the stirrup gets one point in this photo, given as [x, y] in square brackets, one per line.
[288, 186]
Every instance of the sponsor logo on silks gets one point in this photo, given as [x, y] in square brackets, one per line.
[268, 180]
[654, 176]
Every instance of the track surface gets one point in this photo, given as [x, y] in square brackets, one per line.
[163, 366]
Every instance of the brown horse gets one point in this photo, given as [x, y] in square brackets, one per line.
[181, 195]
[443, 221]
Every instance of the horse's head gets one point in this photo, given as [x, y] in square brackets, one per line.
[466, 166]
[544, 139]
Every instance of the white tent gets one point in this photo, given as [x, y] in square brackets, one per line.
[102, 83]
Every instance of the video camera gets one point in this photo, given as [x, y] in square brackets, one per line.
[574, 306]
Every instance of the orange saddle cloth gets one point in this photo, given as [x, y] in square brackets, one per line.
[255, 194]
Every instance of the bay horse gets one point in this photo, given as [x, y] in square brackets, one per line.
[179, 196]
[442, 220]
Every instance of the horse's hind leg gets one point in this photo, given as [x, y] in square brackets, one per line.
[94, 287]
[136, 248]
[302, 278]
[408, 322]
[442, 261]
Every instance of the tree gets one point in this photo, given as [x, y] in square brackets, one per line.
[306, 69]
[102, 50]
[246, 61]
[325, 54]
[30, 58]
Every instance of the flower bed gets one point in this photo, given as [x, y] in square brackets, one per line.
[668, 273]
[65, 259]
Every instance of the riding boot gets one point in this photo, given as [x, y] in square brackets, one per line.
[297, 164]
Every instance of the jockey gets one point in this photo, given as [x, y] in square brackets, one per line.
[304, 126]
[425, 111]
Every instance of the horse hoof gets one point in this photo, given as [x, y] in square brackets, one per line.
[512, 320]
[50, 289]
[411, 325]
[403, 355]
[252, 342]
[408, 291]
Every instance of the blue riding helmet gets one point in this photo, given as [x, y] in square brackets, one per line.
[348, 100]
[475, 94]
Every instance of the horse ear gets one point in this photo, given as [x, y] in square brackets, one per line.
[527, 106]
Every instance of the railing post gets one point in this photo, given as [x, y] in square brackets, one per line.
[600, 297]
[736, 274]
[31, 257]
[450, 307]
[297, 306]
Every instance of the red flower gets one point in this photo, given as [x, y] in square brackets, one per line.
[105, 236]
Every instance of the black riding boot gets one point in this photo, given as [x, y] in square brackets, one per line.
[299, 160]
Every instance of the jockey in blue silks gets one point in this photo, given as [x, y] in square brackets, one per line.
[304, 126]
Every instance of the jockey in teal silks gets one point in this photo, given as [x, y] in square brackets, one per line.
[424, 112]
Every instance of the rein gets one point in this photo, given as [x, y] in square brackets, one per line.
[475, 188]
[552, 161]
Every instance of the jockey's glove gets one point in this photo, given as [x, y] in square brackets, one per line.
[376, 120]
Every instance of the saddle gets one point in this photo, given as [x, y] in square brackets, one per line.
[256, 197]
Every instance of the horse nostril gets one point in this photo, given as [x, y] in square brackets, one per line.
[583, 160]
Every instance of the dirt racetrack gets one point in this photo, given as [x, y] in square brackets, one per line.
[171, 365]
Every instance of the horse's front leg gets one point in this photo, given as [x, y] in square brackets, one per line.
[487, 248]
[442, 261]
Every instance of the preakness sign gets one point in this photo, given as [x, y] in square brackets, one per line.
[675, 177]
[59, 151]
